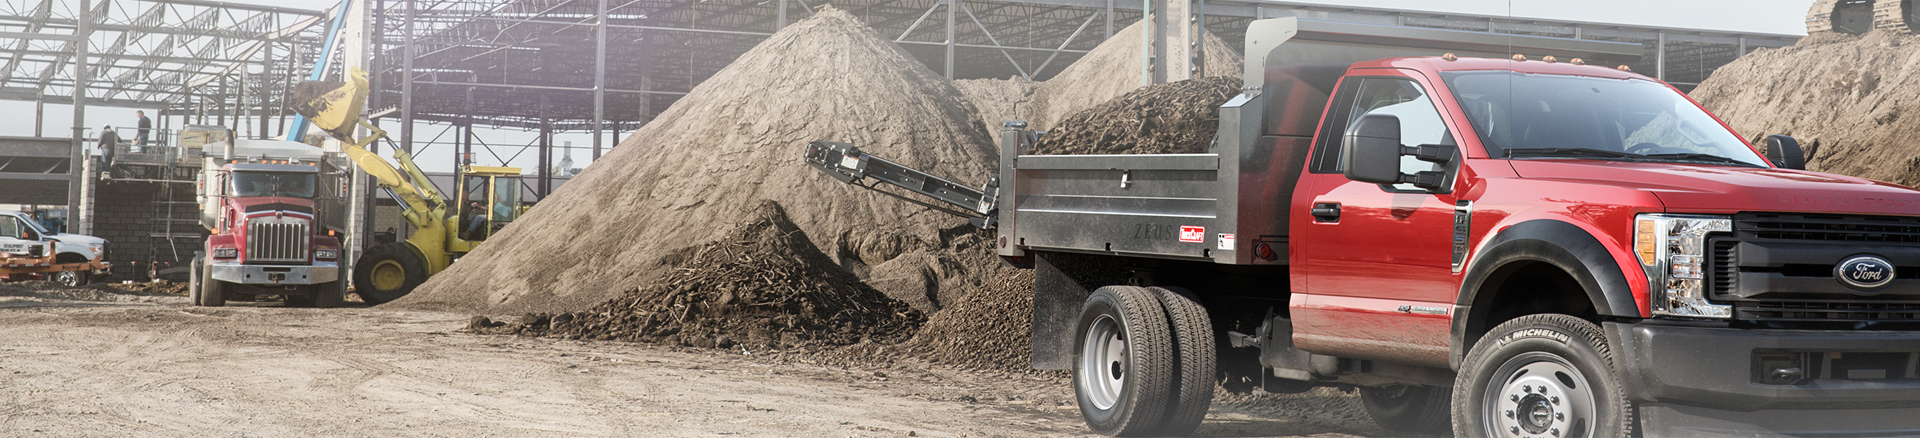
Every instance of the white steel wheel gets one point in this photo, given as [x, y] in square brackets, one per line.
[1540, 394]
[1104, 359]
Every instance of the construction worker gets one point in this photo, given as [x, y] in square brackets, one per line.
[145, 125]
[108, 142]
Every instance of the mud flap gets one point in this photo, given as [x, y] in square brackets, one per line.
[1061, 284]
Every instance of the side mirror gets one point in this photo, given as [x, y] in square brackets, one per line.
[1785, 152]
[1372, 149]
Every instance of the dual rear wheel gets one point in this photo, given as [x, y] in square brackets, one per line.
[1143, 362]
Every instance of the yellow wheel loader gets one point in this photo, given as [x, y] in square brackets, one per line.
[490, 196]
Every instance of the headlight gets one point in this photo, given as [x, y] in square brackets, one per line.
[326, 254]
[226, 252]
[1672, 251]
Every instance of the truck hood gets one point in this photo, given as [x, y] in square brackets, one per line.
[1692, 188]
[78, 239]
[255, 205]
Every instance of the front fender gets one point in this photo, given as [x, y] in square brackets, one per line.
[1561, 244]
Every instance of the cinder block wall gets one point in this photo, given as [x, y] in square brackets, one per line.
[127, 215]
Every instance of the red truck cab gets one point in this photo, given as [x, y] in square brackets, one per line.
[1729, 294]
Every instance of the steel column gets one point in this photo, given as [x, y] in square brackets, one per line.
[266, 78]
[78, 164]
[39, 113]
[782, 22]
[406, 81]
[1146, 42]
[1660, 57]
[1109, 15]
[599, 76]
[950, 16]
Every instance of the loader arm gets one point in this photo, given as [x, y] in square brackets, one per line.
[335, 108]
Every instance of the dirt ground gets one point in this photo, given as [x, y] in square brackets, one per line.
[129, 363]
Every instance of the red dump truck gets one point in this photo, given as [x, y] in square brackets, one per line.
[1502, 234]
[261, 201]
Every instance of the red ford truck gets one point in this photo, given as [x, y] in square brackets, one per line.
[1500, 234]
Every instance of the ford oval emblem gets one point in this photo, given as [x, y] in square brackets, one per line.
[1866, 272]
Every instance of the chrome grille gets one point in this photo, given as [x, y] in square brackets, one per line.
[277, 240]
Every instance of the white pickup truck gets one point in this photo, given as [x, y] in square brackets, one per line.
[73, 257]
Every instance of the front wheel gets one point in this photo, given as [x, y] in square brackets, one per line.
[1540, 375]
[1123, 361]
[211, 294]
[387, 272]
[70, 278]
[1408, 408]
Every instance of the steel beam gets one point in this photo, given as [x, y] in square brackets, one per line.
[599, 76]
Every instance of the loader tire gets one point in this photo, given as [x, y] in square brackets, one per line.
[387, 272]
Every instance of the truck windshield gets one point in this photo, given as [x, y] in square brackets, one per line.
[1527, 116]
[292, 185]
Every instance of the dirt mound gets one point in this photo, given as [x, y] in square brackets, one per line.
[1000, 101]
[990, 329]
[729, 144]
[1841, 96]
[763, 285]
[1113, 69]
[1172, 118]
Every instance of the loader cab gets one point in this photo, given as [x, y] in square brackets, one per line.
[490, 199]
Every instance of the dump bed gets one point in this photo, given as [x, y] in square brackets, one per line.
[1224, 205]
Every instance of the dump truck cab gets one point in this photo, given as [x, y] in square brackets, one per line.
[268, 237]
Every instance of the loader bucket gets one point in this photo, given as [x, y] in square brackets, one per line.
[332, 105]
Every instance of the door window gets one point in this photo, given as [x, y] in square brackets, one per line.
[1420, 122]
[506, 199]
[10, 226]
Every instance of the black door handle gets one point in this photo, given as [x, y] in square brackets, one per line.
[1326, 212]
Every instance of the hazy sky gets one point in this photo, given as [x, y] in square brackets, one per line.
[1760, 16]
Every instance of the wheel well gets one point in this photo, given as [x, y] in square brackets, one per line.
[1526, 288]
[69, 257]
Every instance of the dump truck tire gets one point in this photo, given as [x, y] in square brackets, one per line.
[330, 294]
[211, 292]
[193, 277]
[1123, 368]
[388, 272]
[1194, 361]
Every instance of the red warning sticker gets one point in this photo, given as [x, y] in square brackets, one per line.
[1193, 234]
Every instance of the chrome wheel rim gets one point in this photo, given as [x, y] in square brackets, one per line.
[1103, 363]
[1539, 394]
[67, 278]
